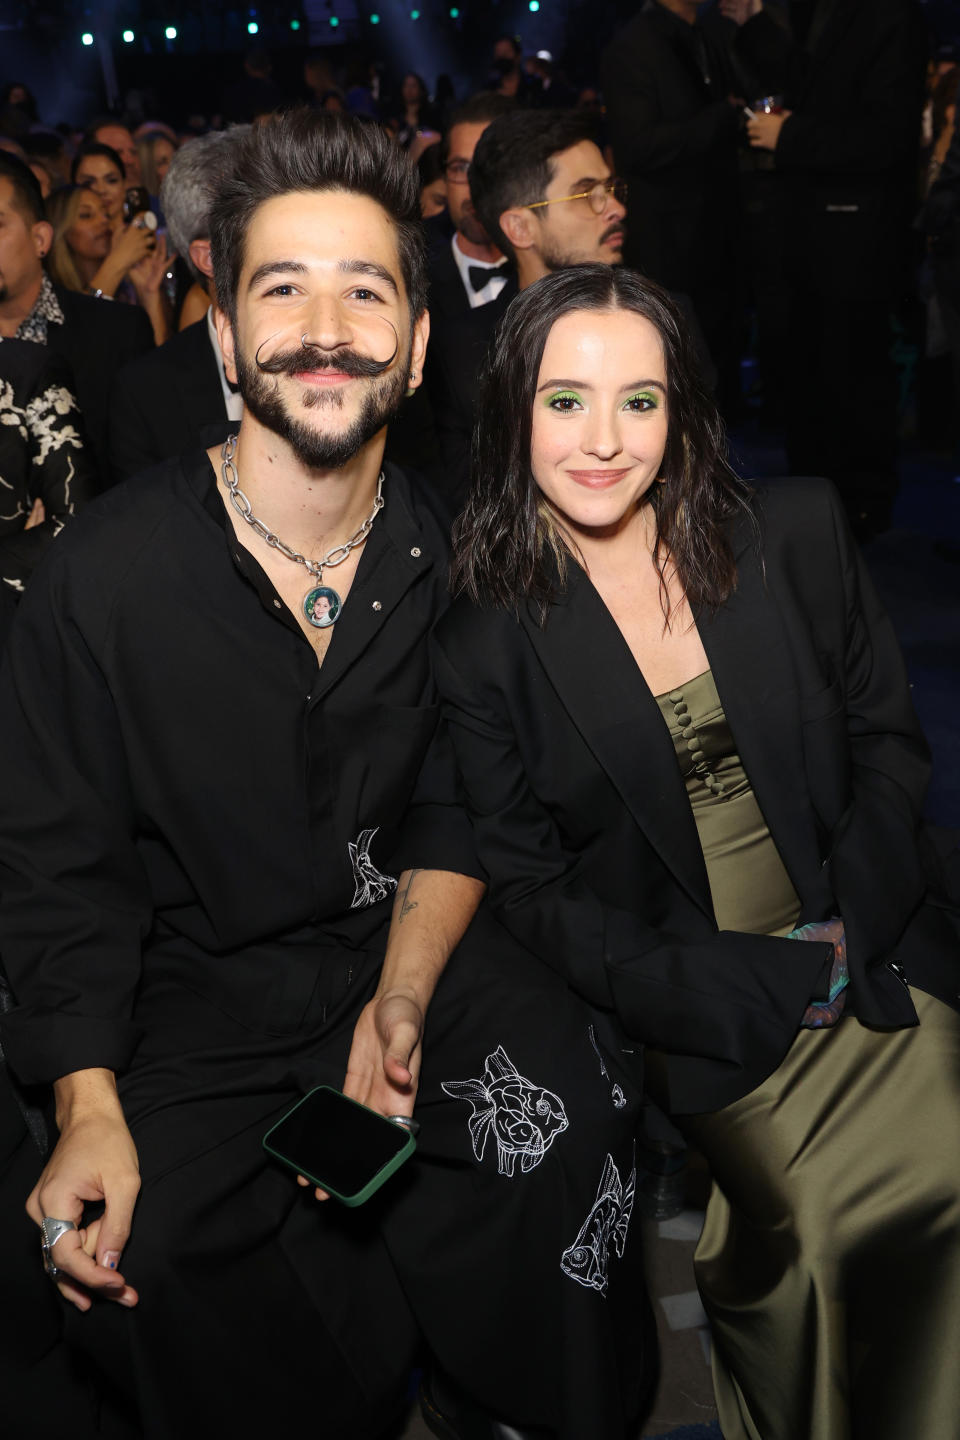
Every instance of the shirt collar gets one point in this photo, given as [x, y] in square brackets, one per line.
[46, 311]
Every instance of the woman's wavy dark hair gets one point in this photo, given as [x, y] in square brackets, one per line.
[508, 546]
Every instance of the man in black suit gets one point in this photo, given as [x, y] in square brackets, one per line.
[178, 396]
[670, 84]
[844, 148]
[95, 337]
[471, 284]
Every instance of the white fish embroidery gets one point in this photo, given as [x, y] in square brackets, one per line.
[369, 884]
[616, 1094]
[525, 1118]
[587, 1260]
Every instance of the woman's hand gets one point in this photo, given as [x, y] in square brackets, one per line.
[134, 243]
[147, 275]
[131, 245]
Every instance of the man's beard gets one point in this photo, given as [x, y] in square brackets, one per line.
[556, 259]
[318, 451]
[468, 223]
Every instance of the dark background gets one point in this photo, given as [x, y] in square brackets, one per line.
[40, 44]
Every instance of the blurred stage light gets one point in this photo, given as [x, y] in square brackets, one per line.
[414, 14]
[86, 38]
[374, 19]
[534, 5]
[454, 13]
[252, 27]
[294, 24]
[171, 32]
[128, 37]
[334, 21]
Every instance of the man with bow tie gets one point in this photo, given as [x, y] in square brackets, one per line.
[471, 285]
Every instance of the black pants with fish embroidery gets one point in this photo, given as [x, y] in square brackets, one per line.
[506, 1244]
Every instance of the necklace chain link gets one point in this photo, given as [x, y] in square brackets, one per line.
[244, 509]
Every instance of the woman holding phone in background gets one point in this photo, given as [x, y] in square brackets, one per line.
[687, 743]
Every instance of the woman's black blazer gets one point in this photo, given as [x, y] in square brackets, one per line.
[585, 829]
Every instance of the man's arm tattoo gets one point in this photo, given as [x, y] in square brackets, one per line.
[406, 904]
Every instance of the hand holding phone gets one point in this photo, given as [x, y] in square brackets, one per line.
[339, 1145]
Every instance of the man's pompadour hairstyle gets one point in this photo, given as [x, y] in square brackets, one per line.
[306, 150]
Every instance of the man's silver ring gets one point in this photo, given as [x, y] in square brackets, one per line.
[52, 1231]
[408, 1124]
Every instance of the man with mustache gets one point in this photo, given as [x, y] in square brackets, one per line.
[222, 883]
[545, 194]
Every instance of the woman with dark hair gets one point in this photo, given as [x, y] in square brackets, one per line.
[415, 111]
[101, 170]
[687, 743]
[134, 268]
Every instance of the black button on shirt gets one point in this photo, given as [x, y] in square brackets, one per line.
[183, 790]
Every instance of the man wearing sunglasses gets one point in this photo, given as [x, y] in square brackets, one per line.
[544, 192]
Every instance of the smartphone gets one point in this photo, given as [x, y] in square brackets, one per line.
[135, 202]
[344, 1147]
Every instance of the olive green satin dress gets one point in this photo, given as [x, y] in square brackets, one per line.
[829, 1263]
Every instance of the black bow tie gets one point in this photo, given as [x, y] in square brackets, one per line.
[481, 275]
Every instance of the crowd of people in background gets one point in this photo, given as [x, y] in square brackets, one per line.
[788, 173]
[790, 243]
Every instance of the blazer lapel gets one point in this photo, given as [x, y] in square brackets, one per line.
[749, 656]
[596, 678]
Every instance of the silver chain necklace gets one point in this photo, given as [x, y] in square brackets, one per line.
[321, 604]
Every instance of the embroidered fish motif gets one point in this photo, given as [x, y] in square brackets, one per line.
[587, 1260]
[524, 1117]
[369, 884]
[616, 1094]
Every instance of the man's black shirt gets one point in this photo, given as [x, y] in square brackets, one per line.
[183, 792]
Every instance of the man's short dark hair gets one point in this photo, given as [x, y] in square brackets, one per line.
[481, 109]
[511, 164]
[307, 150]
[27, 199]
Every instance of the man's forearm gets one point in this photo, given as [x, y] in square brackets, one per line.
[431, 911]
[84, 1092]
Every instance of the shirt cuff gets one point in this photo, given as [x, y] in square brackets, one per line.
[42, 1045]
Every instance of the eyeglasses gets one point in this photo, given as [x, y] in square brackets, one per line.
[457, 171]
[596, 195]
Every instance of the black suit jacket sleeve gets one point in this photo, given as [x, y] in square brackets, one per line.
[877, 834]
[643, 137]
[850, 118]
[714, 999]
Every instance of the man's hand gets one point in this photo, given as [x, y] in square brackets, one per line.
[95, 1159]
[763, 130]
[740, 11]
[384, 1063]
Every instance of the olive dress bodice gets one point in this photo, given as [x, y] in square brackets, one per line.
[749, 885]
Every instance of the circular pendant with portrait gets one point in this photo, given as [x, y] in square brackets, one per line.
[322, 606]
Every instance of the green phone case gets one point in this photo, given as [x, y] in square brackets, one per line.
[373, 1184]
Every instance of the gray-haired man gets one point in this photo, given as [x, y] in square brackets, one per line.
[177, 397]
